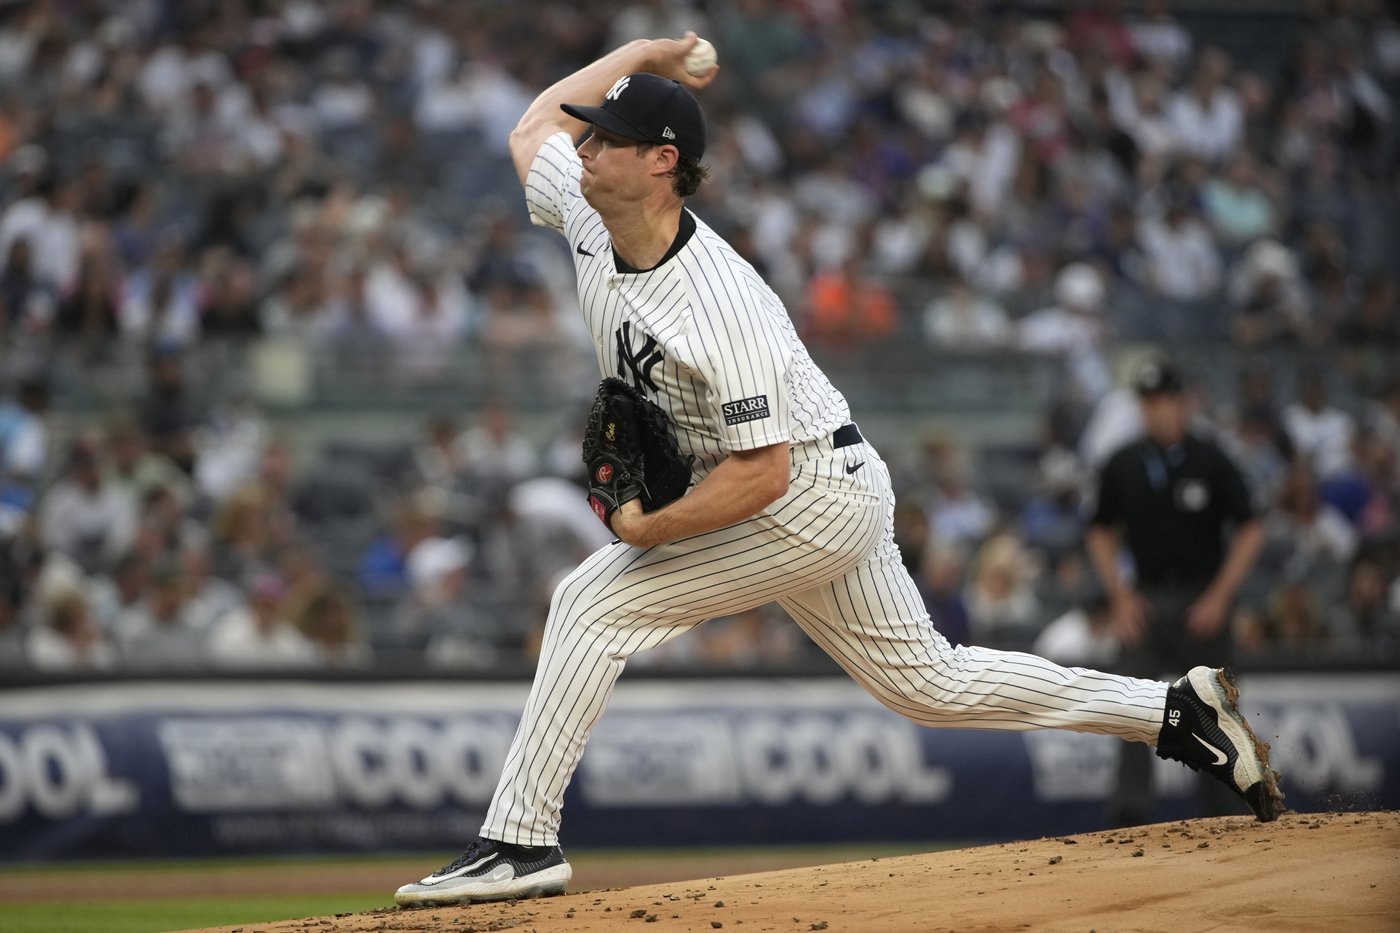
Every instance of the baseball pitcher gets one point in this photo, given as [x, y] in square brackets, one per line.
[783, 498]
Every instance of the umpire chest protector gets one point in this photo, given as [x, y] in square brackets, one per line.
[1176, 504]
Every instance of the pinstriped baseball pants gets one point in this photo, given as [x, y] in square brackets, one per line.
[826, 553]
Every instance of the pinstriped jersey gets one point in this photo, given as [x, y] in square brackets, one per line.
[702, 334]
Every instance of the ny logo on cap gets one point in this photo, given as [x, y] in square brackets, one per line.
[616, 90]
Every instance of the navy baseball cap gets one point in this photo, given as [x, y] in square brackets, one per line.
[1158, 377]
[649, 109]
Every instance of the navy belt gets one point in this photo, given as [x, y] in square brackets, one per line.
[845, 436]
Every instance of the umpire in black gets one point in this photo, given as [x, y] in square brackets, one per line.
[1183, 509]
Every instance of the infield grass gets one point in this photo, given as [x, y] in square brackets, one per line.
[154, 896]
[153, 915]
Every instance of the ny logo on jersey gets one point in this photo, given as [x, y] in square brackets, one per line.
[618, 87]
[636, 362]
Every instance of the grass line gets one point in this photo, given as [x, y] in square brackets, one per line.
[290, 863]
[196, 864]
[129, 897]
[154, 915]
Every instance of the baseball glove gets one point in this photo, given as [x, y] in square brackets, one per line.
[630, 451]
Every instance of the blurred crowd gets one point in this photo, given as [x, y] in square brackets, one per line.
[944, 178]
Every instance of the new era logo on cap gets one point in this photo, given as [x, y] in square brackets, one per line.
[648, 108]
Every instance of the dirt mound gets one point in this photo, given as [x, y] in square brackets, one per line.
[1304, 872]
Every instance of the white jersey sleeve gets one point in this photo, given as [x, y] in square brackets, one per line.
[746, 351]
[551, 189]
[760, 386]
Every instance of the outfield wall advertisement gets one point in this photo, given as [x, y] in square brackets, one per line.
[226, 768]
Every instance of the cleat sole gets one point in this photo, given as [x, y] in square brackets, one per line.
[1264, 797]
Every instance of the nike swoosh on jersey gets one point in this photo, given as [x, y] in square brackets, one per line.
[583, 252]
[1220, 757]
[852, 469]
[438, 879]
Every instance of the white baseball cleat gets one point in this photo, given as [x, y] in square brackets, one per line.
[491, 871]
[1203, 729]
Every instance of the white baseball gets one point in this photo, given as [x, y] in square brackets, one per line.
[701, 58]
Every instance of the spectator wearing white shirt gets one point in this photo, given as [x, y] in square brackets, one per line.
[325, 616]
[983, 158]
[426, 348]
[1082, 637]
[449, 103]
[989, 260]
[1139, 109]
[199, 139]
[642, 19]
[159, 632]
[32, 189]
[900, 239]
[120, 589]
[1321, 432]
[1001, 602]
[299, 305]
[348, 339]
[342, 101]
[161, 302]
[134, 467]
[25, 27]
[389, 293]
[432, 50]
[962, 319]
[257, 635]
[84, 517]
[1305, 538]
[259, 138]
[492, 453]
[1073, 329]
[1115, 420]
[776, 225]
[68, 639]
[209, 598]
[437, 571]
[1206, 116]
[165, 77]
[1183, 263]
[439, 610]
[1254, 447]
[45, 214]
[479, 95]
[439, 456]
[57, 241]
[1158, 37]
[1270, 300]
[552, 519]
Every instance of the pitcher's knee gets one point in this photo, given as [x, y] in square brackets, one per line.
[919, 690]
[583, 608]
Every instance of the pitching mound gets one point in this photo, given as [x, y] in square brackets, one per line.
[1303, 872]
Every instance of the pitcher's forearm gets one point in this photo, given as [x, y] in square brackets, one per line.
[744, 484]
